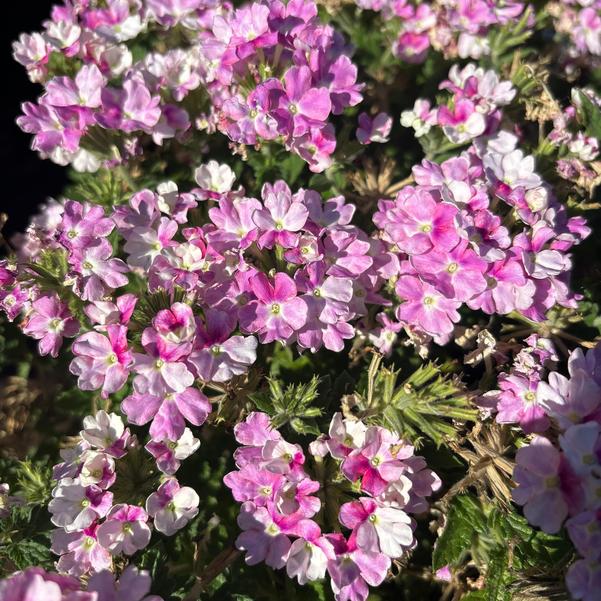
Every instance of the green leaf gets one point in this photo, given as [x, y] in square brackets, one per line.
[465, 519]
[498, 577]
[27, 553]
[591, 114]
[291, 405]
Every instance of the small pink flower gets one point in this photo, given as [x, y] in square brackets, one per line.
[425, 307]
[281, 218]
[378, 529]
[102, 361]
[374, 462]
[125, 530]
[49, 321]
[168, 411]
[374, 130]
[172, 506]
[277, 312]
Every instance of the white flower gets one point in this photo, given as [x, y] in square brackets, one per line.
[172, 506]
[349, 433]
[584, 147]
[307, 560]
[387, 530]
[513, 168]
[215, 177]
[186, 445]
[72, 508]
[103, 429]
[96, 466]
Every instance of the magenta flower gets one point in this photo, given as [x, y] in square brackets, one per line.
[125, 530]
[83, 224]
[539, 473]
[308, 558]
[418, 222]
[170, 453]
[83, 91]
[253, 483]
[584, 579]
[281, 218]
[75, 507]
[458, 273]
[425, 307]
[172, 506]
[374, 462]
[276, 313]
[508, 289]
[80, 552]
[102, 362]
[374, 130]
[168, 412]
[131, 108]
[98, 270]
[33, 584]
[307, 106]
[262, 538]
[518, 403]
[378, 529]
[49, 321]
[158, 374]
[352, 569]
[217, 356]
[133, 585]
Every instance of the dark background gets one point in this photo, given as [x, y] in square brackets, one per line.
[26, 179]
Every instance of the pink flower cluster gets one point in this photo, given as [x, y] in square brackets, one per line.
[559, 481]
[91, 527]
[482, 229]
[516, 401]
[275, 72]
[34, 584]
[111, 105]
[473, 109]
[577, 151]
[457, 28]
[580, 22]
[280, 503]
[287, 268]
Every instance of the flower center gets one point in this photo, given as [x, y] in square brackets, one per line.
[426, 228]
[275, 308]
[428, 300]
[112, 359]
[452, 267]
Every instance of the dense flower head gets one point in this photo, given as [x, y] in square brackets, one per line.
[275, 72]
[280, 507]
[272, 71]
[39, 585]
[457, 29]
[559, 484]
[93, 527]
[454, 247]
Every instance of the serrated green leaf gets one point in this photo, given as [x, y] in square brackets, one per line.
[465, 519]
[591, 114]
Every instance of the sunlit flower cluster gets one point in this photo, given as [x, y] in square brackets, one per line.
[560, 484]
[280, 502]
[457, 29]
[93, 526]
